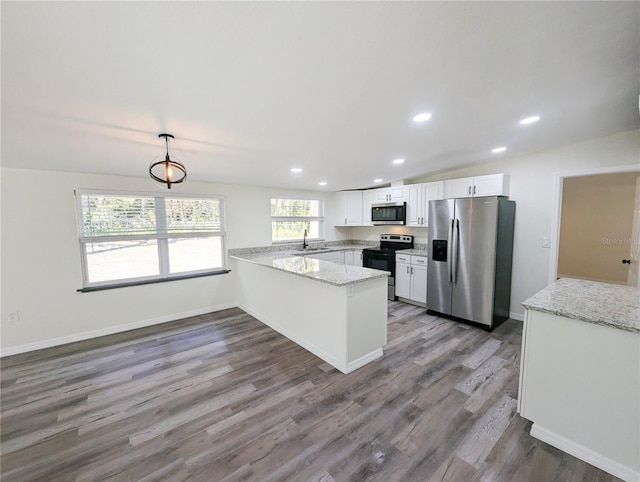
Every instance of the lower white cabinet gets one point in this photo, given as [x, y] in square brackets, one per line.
[353, 258]
[333, 256]
[411, 278]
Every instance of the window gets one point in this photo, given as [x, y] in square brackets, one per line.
[290, 217]
[128, 238]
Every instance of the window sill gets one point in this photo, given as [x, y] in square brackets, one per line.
[89, 289]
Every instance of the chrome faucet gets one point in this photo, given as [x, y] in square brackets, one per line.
[304, 240]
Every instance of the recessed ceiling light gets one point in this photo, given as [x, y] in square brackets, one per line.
[296, 170]
[530, 120]
[398, 161]
[425, 116]
[377, 180]
[322, 183]
[498, 150]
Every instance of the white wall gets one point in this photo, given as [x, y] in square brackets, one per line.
[41, 270]
[532, 187]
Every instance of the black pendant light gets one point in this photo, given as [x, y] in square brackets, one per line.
[167, 171]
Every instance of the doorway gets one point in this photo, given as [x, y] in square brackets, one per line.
[595, 229]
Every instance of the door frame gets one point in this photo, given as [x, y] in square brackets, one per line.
[557, 207]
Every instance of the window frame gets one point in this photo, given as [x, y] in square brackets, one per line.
[161, 236]
[320, 218]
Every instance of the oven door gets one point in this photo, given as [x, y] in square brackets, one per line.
[384, 261]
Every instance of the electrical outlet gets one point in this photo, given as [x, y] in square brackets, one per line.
[546, 243]
[14, 316]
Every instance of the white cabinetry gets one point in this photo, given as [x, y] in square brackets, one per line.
[333, 256]
[353, 258]
[418, 197]
[368, 198]
[349, 208]
[392, 194]
[403, 276]
[574, 390]
[489, 185]
[411, 278]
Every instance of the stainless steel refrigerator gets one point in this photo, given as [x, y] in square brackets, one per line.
[470, 249]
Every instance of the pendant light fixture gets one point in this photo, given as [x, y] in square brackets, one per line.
[167, 171]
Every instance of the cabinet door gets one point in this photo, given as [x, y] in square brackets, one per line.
[455, 188]
[382, 195]
[368, 198]
[418, 284]
[349, 258]
[415, 204]
[334, 256]
[353, 258]
[491, 185]
[403, 280]
[433, 191]
[397, 194]
[353, 208]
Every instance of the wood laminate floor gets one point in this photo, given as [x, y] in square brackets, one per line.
[223, 397]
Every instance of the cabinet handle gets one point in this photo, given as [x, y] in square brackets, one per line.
[411, 270]
[469, 190]
[626, 261]
[474, 189]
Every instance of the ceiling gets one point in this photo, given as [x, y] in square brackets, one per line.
[253, 89]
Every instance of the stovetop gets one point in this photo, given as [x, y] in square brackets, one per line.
[392, 243]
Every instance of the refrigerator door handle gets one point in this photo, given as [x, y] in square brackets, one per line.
[450, 251]
[454, 253]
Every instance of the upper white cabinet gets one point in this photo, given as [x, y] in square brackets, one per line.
[348, 208]
[490, 185]
[368, 198]
[418, 197]
[395, 194]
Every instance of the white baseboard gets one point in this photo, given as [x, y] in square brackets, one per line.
[583, 453]
[516, 316]
[39, 345]
[363, 360]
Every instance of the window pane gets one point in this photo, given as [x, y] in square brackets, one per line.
[292, 230]
[192, 215]
[194, 254]
[110, 261]
[105, 215]
[295, 207]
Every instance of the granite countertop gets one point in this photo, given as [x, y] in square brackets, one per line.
[414, 252]
[317, 269]
[601, 303]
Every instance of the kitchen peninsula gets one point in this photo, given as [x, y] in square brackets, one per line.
[337, 312]
[580, 372]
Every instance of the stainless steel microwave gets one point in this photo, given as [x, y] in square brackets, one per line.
[389, 213]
